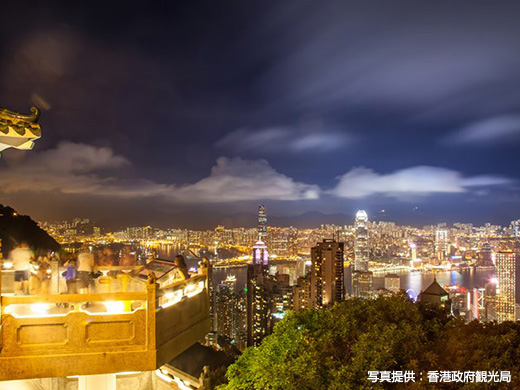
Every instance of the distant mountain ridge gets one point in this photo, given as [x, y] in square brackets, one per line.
[208, 220]
[15, 228]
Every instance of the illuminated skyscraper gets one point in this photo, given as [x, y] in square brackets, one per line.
[361, 276]
[507, 268]
[211, 337]
[260, 254]
[486, 256]
[392, 282]
[515, 226]
[490, 300]
[258, 310]
[413, 251]
[327, 285]
[441, 244]
[281, 298]
[225, 303]
[361, 244]
[362, 282]
[262, 223]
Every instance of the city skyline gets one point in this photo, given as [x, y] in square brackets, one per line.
[303, 107]
[248, 221]
[269, 195]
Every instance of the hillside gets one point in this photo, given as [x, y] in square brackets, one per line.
[15, 228]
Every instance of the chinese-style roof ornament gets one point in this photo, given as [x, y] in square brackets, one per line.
[19, 130]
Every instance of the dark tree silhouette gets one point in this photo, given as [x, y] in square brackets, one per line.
[15, 228]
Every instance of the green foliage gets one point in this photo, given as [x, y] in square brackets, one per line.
[336, 347]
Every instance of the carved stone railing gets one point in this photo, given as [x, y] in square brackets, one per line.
[123, 331]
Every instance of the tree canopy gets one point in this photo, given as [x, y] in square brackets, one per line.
[336, 347]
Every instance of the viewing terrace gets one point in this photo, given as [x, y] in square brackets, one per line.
[133, 319]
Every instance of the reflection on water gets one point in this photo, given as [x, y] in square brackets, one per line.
[416, 281]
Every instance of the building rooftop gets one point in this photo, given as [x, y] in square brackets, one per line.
[19, 130]
[435, 289]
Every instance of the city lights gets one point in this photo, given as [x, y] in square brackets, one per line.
[315, 195]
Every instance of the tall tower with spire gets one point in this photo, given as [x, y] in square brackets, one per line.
[262, 223]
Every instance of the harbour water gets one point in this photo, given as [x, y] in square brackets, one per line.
[413, 282]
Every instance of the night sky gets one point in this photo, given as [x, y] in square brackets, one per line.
[188, 113]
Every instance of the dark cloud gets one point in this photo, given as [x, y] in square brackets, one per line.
[78, 169]
[309, 137]
[284, 96]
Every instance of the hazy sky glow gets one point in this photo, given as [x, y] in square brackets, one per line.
[185, 113]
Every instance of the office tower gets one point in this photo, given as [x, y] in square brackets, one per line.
[361, 276]
[507, 268]
[327, 285]
[262, 223]
[362, 284]
[361, 244]
[490, 300]
[486, 256]
[260, 254]
[280, 293]
[258, 310]
[392, 282]
[300, 269]
[477, 304]
[441, 244]
[413, 251]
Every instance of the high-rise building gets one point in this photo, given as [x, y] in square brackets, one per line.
[413, 251]
[262, 223]
[231, 312]
[327, 285]
[225, 310]
[281, 298]
[362, 284]
[507, 268]
[441, 244]
[302, 294]
[260, 254]
[490, 300]
[361, 276]
[361, 249]
[477, 303]
[258, 305]
[392, 282]
[211, 337]
[515, 226]
[486, 256]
